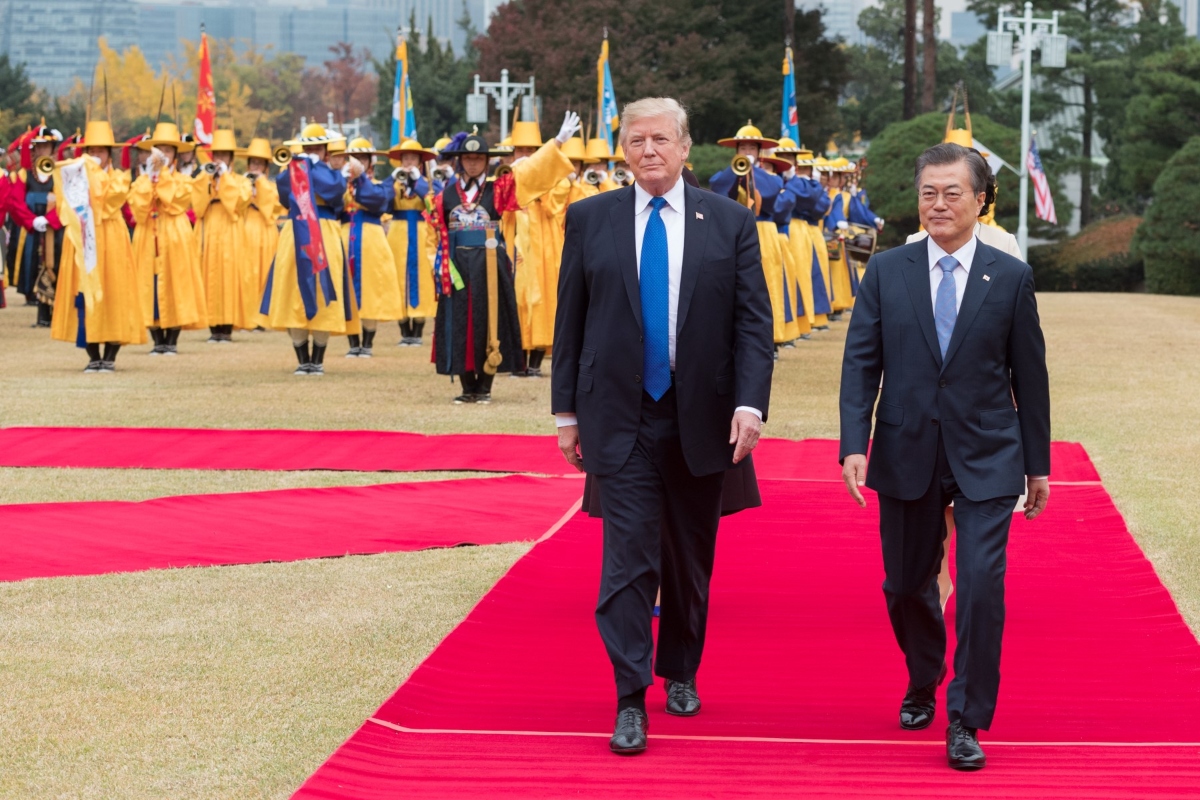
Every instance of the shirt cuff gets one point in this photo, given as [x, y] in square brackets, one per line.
[753, 411]
[562, 420]
[1038, 477]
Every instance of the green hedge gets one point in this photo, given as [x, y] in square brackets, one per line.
[1168, 240]
[1097, 259]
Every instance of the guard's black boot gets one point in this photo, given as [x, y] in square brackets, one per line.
[355, 346]
[109, 360]
[302, 357]
[318, 359]
[368, 342]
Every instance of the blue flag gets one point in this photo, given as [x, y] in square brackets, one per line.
[404, 120]
[790, 126]
[606, 97]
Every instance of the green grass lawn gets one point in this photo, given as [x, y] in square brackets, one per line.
[239, 681]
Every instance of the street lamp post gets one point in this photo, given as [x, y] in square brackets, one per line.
[1033, 33]
[506, 94]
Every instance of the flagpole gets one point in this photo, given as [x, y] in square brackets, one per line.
[1026, 86]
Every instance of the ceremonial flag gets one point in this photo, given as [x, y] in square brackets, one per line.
[1041, 186]
[312, 264]
[79, 224]
[206, 99]
[790, 126]
[606, 97]
[404, 121]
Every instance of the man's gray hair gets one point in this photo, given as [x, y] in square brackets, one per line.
[649, 107]
[950, 153]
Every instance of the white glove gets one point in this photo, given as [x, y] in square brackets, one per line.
[40, 224]
[51, 199]
[158, 160]
[222, 168]
[879, 223]
[843, 225]
[415, 172]
[572, 177]
[355, 169]
[569, 127]
[93, 159]
[789, 173]
[752, 159]
[397, 172]
[601, 174]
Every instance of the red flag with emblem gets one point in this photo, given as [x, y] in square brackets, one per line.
[206, 99]
[302, 192]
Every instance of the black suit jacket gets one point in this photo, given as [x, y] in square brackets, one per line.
[996, 355]
[724, 344]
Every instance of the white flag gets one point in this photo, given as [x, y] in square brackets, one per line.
[77, 191]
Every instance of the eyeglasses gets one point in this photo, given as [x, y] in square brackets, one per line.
[951, 196]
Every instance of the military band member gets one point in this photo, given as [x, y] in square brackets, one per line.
[809, 204]
[39, 244]
[260, 230]
[408, 237]
[220, 198]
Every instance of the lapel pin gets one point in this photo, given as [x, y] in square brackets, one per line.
[699, 215]
[987, 277]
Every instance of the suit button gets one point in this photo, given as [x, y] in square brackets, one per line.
[637, 378]
[641, 340]
[934, 421]
[942, 384]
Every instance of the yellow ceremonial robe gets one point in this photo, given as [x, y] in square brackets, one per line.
[799, 240]
[542, 191]
[220, 205]
[839, 269]
[164, 247]
[414, 267]
[772, 261]
[380, 297]
[287, 306]
[798, 324]
[260, 239]
[116, 312]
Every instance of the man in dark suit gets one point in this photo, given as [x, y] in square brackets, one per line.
[951, 326]
[662, 376]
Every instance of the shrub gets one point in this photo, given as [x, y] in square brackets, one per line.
[1168, 240]
[1097, 259]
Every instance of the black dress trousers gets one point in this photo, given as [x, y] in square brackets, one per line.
[660, 526]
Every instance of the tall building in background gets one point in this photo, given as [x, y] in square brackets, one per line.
[965, 29]
[1189, 15]
[840, 17]
[56, 39]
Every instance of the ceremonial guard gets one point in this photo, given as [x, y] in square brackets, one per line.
[597, 174]
[368, 256]
[39, 244]
[747, 182]
[795, 318]
[809, 203]
[220, 198]
[164, 244]
[579, 188]
[97, 302]
[540, 172]
[477, 333]
[309, 292]
[410, 240]
[260, 230]
[843, 211]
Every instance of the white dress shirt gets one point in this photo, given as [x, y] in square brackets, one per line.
[673, 220]
[964, 256]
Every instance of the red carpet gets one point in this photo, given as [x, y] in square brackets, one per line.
[799, 648]
[55, 539]
[385, 451]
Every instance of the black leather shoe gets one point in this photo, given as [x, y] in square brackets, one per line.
[682, 700]
[919, 704]
[962, 748]
[629, 738]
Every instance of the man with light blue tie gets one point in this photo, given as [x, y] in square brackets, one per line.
[663, 353]
[951, 327]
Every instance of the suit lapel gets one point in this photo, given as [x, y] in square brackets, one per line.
[916, 276]
[977, 289]
[695, 237]
[625, 240]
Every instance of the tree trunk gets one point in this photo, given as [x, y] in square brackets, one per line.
[910, 59]
[1087, 123]
[930, 46]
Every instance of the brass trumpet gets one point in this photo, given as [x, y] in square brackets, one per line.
[281, 156]
[44, 166]
[620, 176]
[591, 177]
[741, 165]
[210, 168]
[502, 170]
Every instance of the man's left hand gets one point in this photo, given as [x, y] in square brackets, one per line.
[744, 433]
[1037, 493]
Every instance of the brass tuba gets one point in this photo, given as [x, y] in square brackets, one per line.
[281, 157]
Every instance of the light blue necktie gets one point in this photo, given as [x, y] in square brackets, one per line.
[945, 310]
[656, 297]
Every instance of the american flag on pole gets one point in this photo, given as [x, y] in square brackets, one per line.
[1041, 186]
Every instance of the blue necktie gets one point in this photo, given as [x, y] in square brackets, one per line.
[656, 297]
[945, 310]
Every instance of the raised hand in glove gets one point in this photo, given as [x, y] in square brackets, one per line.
[569, 127]
[354, 169]
[40, 224]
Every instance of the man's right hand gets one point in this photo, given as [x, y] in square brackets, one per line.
[568, 442]
[854, 473]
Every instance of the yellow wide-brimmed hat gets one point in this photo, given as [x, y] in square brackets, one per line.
[441, 143]
[411, 146]
[98, 134]
[575, 150]
[259, 148]
[619, 155]
[362, 146]
[748, 133]
[223, 141]
[313, 133]
[780, 164]
[336, 144]
[525, 133]
[166, 133]
[597, 149]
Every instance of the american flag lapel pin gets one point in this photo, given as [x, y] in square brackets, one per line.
[987, 277]
[699, 215]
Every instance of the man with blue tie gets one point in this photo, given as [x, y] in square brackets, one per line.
[951, 326]
[663, 351]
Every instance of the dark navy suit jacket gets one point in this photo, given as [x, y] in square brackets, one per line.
[724, 345]
[989, 398]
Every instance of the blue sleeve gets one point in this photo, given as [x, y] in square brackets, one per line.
[769, 189]
[835, 214]
[421, 188]
[283, 182]
[327, 183]
[809, 198]
[375, 198]
[785, 201]
[724, 182]
[860, 213]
